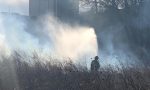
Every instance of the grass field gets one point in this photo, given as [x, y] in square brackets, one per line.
[17, 74]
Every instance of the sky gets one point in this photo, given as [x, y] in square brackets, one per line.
[20, 6]
[15, 6]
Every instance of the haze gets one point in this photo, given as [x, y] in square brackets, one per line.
[15, 6]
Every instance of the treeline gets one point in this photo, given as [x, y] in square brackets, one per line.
[21, 72]
[127, 22]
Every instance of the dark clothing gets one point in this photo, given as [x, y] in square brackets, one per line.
[95, 65]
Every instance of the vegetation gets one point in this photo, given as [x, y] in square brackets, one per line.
[16, 74]
[129, 18]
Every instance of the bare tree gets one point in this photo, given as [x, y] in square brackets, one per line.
[97, 5]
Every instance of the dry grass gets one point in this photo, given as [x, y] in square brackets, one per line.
[16, 74]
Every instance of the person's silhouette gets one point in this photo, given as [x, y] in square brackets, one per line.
[95, 64]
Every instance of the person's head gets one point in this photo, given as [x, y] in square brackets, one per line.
[96, 57]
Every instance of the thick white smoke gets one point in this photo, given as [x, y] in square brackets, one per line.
[72, 41]
[63, 40]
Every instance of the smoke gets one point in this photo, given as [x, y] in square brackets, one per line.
[14, 36]
[123, 36]
[62, 40]
[115, 49]
[71, 41]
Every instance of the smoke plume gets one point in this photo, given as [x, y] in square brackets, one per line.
[62, 40]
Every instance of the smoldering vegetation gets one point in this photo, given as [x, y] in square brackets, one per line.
[123, 36]
[32, 72]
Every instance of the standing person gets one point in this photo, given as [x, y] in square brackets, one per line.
[95, 64]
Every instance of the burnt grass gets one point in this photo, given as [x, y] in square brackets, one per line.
[31, 73]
